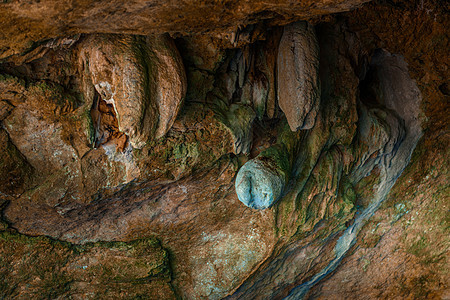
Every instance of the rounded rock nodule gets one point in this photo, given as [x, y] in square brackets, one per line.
[257, 185]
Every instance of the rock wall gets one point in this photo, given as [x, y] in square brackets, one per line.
[288, 158]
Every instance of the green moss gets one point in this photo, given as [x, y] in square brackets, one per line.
[365, 264]
[286, 137]
[238, 119]
[417, 247]
[53, 285]
[25, 258]
[198, 145]
[418, 288]
[279, 157]
[326, 195]
[43, 268]
[346, 198]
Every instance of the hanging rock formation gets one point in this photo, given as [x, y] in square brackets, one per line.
[142, 78]
[298, 86]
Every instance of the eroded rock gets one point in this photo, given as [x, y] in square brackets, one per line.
[50, 131]
[104, 269]
[238, 119]
[15, 171]
[141, 77]
[220, 247]
[260, 182]
[298, 83]
[24, 23]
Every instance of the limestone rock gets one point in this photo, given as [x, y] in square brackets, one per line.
[260, 182]
[298, 75]
[142, 78]
[257, 186]
[255, 92]
[238, 119]
[15, 171]
[219, 248]
[5, 109]
[214, 249]
[23, 23]
[118, 77]
[49, 131]
[265, 61]
[106, 167]
[41, 127]
[99, 270]
[170, 78]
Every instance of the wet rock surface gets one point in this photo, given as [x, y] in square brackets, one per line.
[216, 166]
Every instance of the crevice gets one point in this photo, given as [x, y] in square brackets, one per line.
[106, 128]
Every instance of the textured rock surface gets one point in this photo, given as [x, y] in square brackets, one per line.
[212, 252]
[103, 270]
[238, 119]
[298, 86]
[410, 229]
[72, 175]
[15, 171]
[40, 126]
[142, 78]
[260, 182]
[23, 23]
[402, 251]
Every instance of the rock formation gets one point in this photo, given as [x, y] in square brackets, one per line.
[297, 75]
[224, 150]
[260, 182]
[143, 80]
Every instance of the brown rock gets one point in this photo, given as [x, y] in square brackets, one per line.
[142, 78]
[107, 167]
[110, 270]
[216, 244]
[238, 120]
[40, 126]
[5, 109]
[218, 247]
[26, 22]
[168, 73]
[15, 171]
[298, 75]
[402, 251]
[50, 132]
[266, 60]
